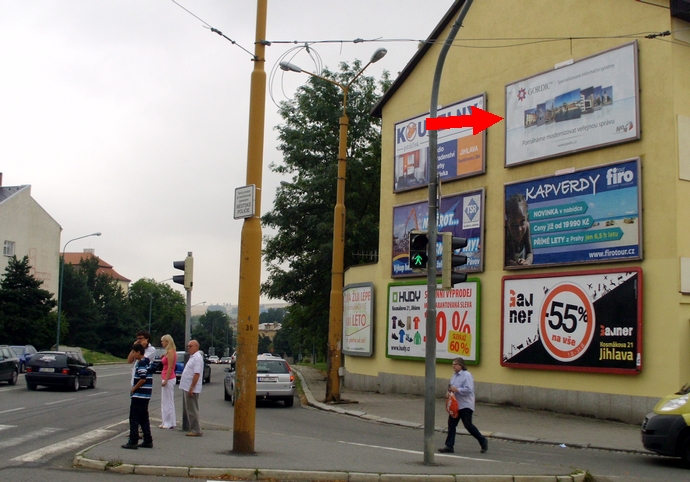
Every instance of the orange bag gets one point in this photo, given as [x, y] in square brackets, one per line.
[452, 405]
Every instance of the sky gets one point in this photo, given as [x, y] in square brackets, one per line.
[130, 117]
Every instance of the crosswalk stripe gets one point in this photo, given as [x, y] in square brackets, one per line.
[28, 436]
[63, 446]
[5, 427]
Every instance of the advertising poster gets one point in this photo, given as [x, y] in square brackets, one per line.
[587, 216]
[461, 214]
[588, 104]
[457, 321]
[586, 321]
[460, 154]
[358, 319]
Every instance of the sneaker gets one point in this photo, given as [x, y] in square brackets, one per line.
[146, 445]
[446, 450]
[485, 447]
[130, 445]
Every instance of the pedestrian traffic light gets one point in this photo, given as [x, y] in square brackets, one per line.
[419, 257]
[450, 260]
[188, 267]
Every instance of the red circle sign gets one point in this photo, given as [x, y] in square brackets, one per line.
[566, 323]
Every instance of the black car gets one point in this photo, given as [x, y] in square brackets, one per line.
[157, 360]
[59, 368]
[9, 365]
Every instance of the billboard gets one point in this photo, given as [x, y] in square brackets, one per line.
[461, 214]
[587, 104]
[460, 154]
[457, 321]
[358, 319]
[581, 321]
[588, 216]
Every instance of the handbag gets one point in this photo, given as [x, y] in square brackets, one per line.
[452, 405]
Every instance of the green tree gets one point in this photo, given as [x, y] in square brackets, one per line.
[299, 255]
[25, 307]
[165, 307]
[214, 330]
[272, 315]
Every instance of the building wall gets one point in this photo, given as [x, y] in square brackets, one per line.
[35, 234]
[664, 68]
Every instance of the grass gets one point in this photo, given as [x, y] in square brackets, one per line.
[321, 366]
[100, 358]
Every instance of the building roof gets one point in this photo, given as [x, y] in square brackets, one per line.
[377, 111]
[9, 191]
[103, 267]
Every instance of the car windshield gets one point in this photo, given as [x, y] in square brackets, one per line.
[271, 366]
[19, 350]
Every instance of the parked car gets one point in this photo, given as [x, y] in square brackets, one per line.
[274, 381]
[59, 368]
[666, 430]
[24, 353]
[179, 368]
[157, 360]
[9, 365]
[225, 360]
[213, 359]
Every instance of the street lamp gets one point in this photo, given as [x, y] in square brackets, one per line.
[62, 272]
[335, 316]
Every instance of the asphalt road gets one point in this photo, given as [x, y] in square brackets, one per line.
[41, 431]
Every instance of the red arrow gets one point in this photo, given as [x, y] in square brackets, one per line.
[478, 120]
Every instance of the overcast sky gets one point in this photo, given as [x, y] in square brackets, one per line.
[129, 117]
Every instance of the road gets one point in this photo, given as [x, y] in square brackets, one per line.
[41, 431]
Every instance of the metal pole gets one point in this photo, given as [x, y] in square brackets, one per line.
[430, 356]
[244, 426]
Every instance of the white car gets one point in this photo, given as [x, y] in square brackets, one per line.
[213, 359]
[274, 381]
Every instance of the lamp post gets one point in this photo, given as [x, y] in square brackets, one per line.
[335, 316]
[62, 272]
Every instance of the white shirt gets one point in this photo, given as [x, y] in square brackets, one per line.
[194, 365]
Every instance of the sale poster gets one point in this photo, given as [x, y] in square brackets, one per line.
[457, 321]
[358, 317]
[585, 321]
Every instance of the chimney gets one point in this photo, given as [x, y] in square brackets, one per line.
[90, 250]
[0, 179]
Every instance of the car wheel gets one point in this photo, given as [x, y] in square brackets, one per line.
[93, 382]
[13, 380]
[31, 386]
[289, 401]
[685, 450]
[207, 379]
[232, 397]
[22, 367]
[75, 385]
[225, 393]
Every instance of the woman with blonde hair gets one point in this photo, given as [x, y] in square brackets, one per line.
[168, 382]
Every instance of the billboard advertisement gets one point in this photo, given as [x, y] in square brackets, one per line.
[457, 321]
[460, 154]
[358, 319]
[461, 214]
[586, 104]
[585, 321]
[588, 216]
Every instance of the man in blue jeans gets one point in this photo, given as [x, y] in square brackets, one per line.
[462, 387]
[140, 395]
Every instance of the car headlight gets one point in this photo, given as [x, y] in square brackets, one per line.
[674, 404]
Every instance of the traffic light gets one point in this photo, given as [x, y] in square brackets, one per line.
[419, 258]
[188, 267]
[450, 260]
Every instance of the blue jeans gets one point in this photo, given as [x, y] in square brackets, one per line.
[464, 414]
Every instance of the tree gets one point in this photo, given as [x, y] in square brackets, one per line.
[25, 307]
[299, 255]
[214, 330]
[165, 307]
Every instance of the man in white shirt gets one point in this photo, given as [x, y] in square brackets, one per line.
[190, 384]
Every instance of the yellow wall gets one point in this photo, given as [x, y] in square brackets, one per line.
[664, 70]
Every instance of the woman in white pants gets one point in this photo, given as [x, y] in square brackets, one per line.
[168, 382]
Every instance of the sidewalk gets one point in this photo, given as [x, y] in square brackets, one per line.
[283, 457]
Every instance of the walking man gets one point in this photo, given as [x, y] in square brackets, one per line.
[462, 387]
[140, 395]
[190, 384]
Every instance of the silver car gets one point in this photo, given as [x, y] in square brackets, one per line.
[274, 381]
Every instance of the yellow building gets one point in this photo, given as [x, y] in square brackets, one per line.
[613, 346]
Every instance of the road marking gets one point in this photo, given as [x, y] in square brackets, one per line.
[63, 446]
[28, 436]
[59, 401]
[96, 394]
[13, 410]
[5, 427]
[417, 452]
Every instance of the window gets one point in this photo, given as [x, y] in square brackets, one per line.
[8, 248]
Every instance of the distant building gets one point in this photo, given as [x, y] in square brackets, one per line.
[269, 329]
[103, 268]
[28, 230]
